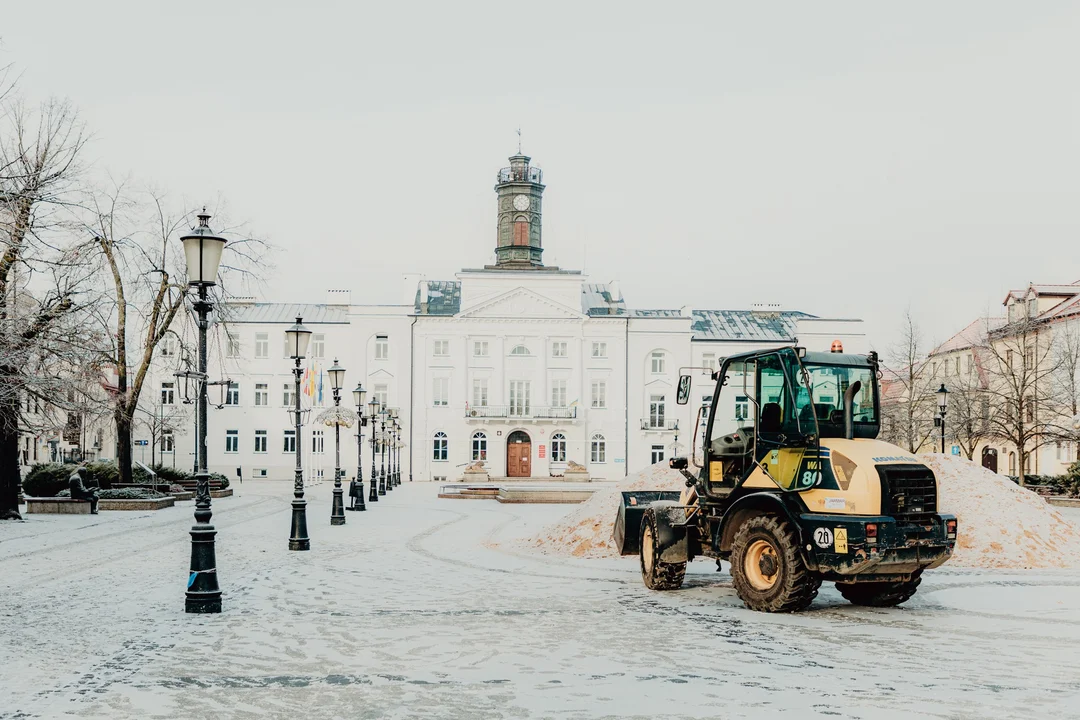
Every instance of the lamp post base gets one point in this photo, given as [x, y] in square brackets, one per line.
[203, 594]
[299, 539]
[337, 513]
[360, 506]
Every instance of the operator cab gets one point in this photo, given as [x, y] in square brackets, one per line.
[783, 399]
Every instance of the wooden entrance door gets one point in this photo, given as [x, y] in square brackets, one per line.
[989, 459]
[518, 455]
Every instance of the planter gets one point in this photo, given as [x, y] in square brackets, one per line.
[1061, 501]
[57, 506]
[150, 504]
[227, 492]
[183, 495]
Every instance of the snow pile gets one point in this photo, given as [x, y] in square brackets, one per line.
[1001, 525]
[586, 531]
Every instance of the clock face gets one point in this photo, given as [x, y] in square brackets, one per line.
[521, 202]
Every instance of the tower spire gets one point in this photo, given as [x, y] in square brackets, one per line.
[519, 139]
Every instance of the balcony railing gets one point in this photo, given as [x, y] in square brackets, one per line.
[512, 411]
[659, 424]
[522, 174]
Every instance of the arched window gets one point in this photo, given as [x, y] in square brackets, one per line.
[558, 448]
[520, 350]
[599, 448]
[1012, 463]
[658, 362]
[479, 446]
[440, 446]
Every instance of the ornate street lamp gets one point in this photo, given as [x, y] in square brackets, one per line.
[373, 413]
[337, 378]
[297, 338]
[384, 413]
[202, 251]
[395, 413]
[943, 405]
[359, 395]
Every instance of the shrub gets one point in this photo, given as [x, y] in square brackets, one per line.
[177, 489]
[172, 475]
[120, 494]
[218, 476]
[47, 479]
[1069, 483]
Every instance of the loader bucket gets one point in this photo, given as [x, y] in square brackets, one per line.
[628, 521]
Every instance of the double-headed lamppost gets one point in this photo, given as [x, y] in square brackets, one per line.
[393, 452]
[373, 413]
[297, 337]
[943, 404]
[384, 413]
[358, 396]
[337, 512]
[202, 251]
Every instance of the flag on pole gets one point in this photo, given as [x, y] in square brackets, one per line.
[320, 386]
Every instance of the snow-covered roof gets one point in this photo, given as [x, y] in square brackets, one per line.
[746, 325]
[972, 336]
[312, 314]
[596, 300]
[443, 297]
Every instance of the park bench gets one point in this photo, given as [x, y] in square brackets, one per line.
[57, 506]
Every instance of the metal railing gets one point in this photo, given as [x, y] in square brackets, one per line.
[513, 411]
[524, 174]
[659, 424]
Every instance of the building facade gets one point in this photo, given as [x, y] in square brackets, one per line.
[520, 365]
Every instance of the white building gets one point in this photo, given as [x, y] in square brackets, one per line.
[517, 364]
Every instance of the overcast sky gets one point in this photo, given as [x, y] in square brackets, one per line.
[843, 158]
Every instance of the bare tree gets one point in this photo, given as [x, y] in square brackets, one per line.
[1066, 380]
[968, 417]
[1026, 409]
[909, 409]
[40, 275]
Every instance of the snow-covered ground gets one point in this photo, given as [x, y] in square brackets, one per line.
[409, 612]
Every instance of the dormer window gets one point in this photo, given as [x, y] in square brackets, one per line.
[520, 350]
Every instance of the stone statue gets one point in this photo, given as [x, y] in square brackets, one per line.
[476, 467]
[574, 467]
[78, 485]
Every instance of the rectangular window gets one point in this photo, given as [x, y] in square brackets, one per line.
[480, 392]
[232, 395]
[318, 442]
[379, 392]
[167, 441]
[1029, 357]
[480, 348]
[260, 441]
[708, 362]
[558, 393]
[440, 391]
[599, 349]
[382, 347]
[288, 394]
[658, 362]
[558, 349]
[656, 411]
[262, 394]
[232, 441]
[168, 396]
[742, 408]
[262, 345]
[168, 347]
[519, 398]
[957, 368]
[657, 454]
[318, 345]
[259, 473]
[289, 441]
[440, 348]
[233, 347]
[599, 394]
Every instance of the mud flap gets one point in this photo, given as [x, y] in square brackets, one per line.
[627, 532]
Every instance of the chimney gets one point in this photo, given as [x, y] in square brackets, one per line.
[765, 308]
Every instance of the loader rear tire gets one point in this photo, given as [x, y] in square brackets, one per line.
[767, 568]
[879, 594]
[657, 574]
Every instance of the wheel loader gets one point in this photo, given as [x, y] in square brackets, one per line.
[787, 482]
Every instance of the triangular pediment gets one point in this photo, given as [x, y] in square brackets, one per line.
[521, 303]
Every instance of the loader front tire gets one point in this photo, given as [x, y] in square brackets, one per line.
[879, 594]
[657, 574]
[767, 568]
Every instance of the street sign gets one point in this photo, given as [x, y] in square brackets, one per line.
[142, 442]
[955, 449]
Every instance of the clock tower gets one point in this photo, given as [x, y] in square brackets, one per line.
[519, 189]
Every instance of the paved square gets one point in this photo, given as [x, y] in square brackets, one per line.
[409, 612]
